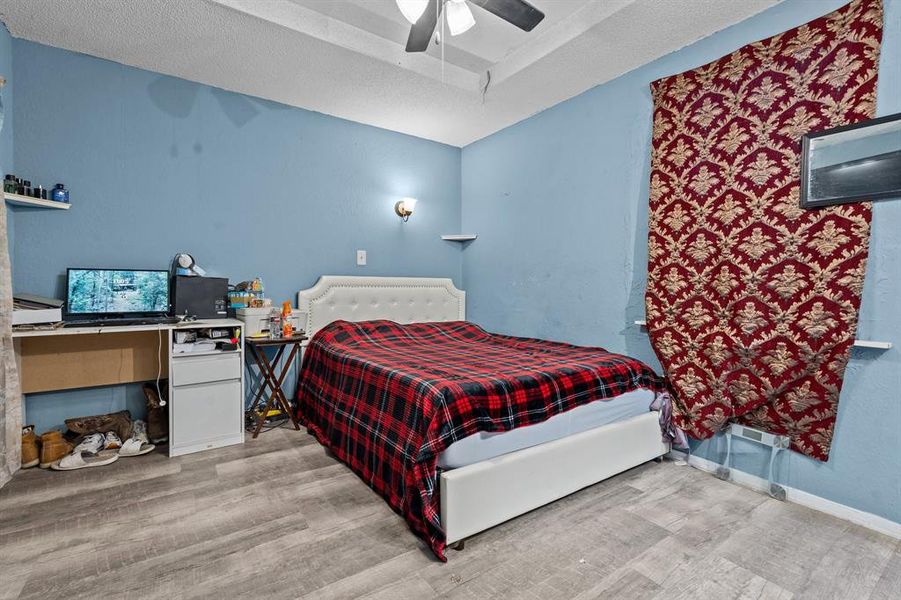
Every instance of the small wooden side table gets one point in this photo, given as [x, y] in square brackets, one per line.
[257, 348]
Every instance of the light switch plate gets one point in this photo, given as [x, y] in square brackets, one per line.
[361, 258]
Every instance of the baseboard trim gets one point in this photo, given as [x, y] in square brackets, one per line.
[842, 511]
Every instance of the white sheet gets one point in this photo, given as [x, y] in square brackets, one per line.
[484, 445]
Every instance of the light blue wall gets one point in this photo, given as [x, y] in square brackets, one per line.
[158, 165]
[559, 202]
[560, 205]
[6, 134]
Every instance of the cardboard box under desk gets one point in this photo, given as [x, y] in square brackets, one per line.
[65, 362]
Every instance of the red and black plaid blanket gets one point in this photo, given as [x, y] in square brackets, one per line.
[387, 399]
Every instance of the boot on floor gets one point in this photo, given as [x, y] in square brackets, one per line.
[31, 455]
[53, 447]
[157, 417]
[120, 422]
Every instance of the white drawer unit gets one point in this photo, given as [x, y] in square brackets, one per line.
[188, 370]
[204, 415]
[206, 396]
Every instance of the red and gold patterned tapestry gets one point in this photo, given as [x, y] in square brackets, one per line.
[752, 301]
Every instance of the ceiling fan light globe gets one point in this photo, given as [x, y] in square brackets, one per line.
[459, 17]
[412, 9]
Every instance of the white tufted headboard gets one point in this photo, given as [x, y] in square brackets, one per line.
[401, 299]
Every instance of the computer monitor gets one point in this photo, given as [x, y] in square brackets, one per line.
[116, 292]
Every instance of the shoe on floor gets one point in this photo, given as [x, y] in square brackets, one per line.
[77, 460]
[138, 443]
[111, 441]
[139, 431]
[91, 444]
[133, 447]
[31, 455]
[53, 448]
[89, 453]
[157, 418]
[119, 422]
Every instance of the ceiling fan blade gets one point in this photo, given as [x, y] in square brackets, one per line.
[518, 12]
[422, 30]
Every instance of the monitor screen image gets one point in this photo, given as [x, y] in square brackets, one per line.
[100, 291]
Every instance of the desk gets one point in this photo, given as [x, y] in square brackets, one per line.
[210, 385]
[77, 357]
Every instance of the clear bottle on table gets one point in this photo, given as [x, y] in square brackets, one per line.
[275, 324]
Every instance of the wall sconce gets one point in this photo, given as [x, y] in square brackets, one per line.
[404, 208]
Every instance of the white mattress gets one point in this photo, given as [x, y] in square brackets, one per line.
[484, 445]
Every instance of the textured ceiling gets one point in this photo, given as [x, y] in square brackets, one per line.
[346, 57]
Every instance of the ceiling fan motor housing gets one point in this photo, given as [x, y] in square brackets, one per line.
[460, 19]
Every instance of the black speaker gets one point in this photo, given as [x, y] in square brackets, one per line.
[202, 297]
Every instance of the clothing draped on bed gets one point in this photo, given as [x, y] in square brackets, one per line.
[387, 399]
[752, 301]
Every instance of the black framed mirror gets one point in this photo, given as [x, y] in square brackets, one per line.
[852, 163]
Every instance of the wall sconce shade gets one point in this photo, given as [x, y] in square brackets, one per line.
[404, 208]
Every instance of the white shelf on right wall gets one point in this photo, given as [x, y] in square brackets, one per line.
[459, 237]
[872, 345]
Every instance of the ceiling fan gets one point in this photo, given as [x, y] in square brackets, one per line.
[423, 14]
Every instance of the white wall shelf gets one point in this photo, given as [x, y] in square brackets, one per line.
[872, 345]
[459, 237]
[18, 200]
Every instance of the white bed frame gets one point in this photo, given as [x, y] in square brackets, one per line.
[479, 496]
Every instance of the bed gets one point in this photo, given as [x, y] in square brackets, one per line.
[459, 429]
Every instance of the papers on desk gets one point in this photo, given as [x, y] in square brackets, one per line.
[198, 346]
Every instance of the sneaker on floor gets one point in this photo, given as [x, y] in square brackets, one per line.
[139, 431]
[31, 456]
[111, 441]
[91, 444]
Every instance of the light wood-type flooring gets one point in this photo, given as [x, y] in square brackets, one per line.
[279, 518]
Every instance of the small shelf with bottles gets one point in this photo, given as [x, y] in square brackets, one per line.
[19, 192]
[19, 200]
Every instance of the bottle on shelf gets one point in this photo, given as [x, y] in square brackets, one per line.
[60, 193]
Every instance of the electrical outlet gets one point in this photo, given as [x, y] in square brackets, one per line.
[361, 258]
